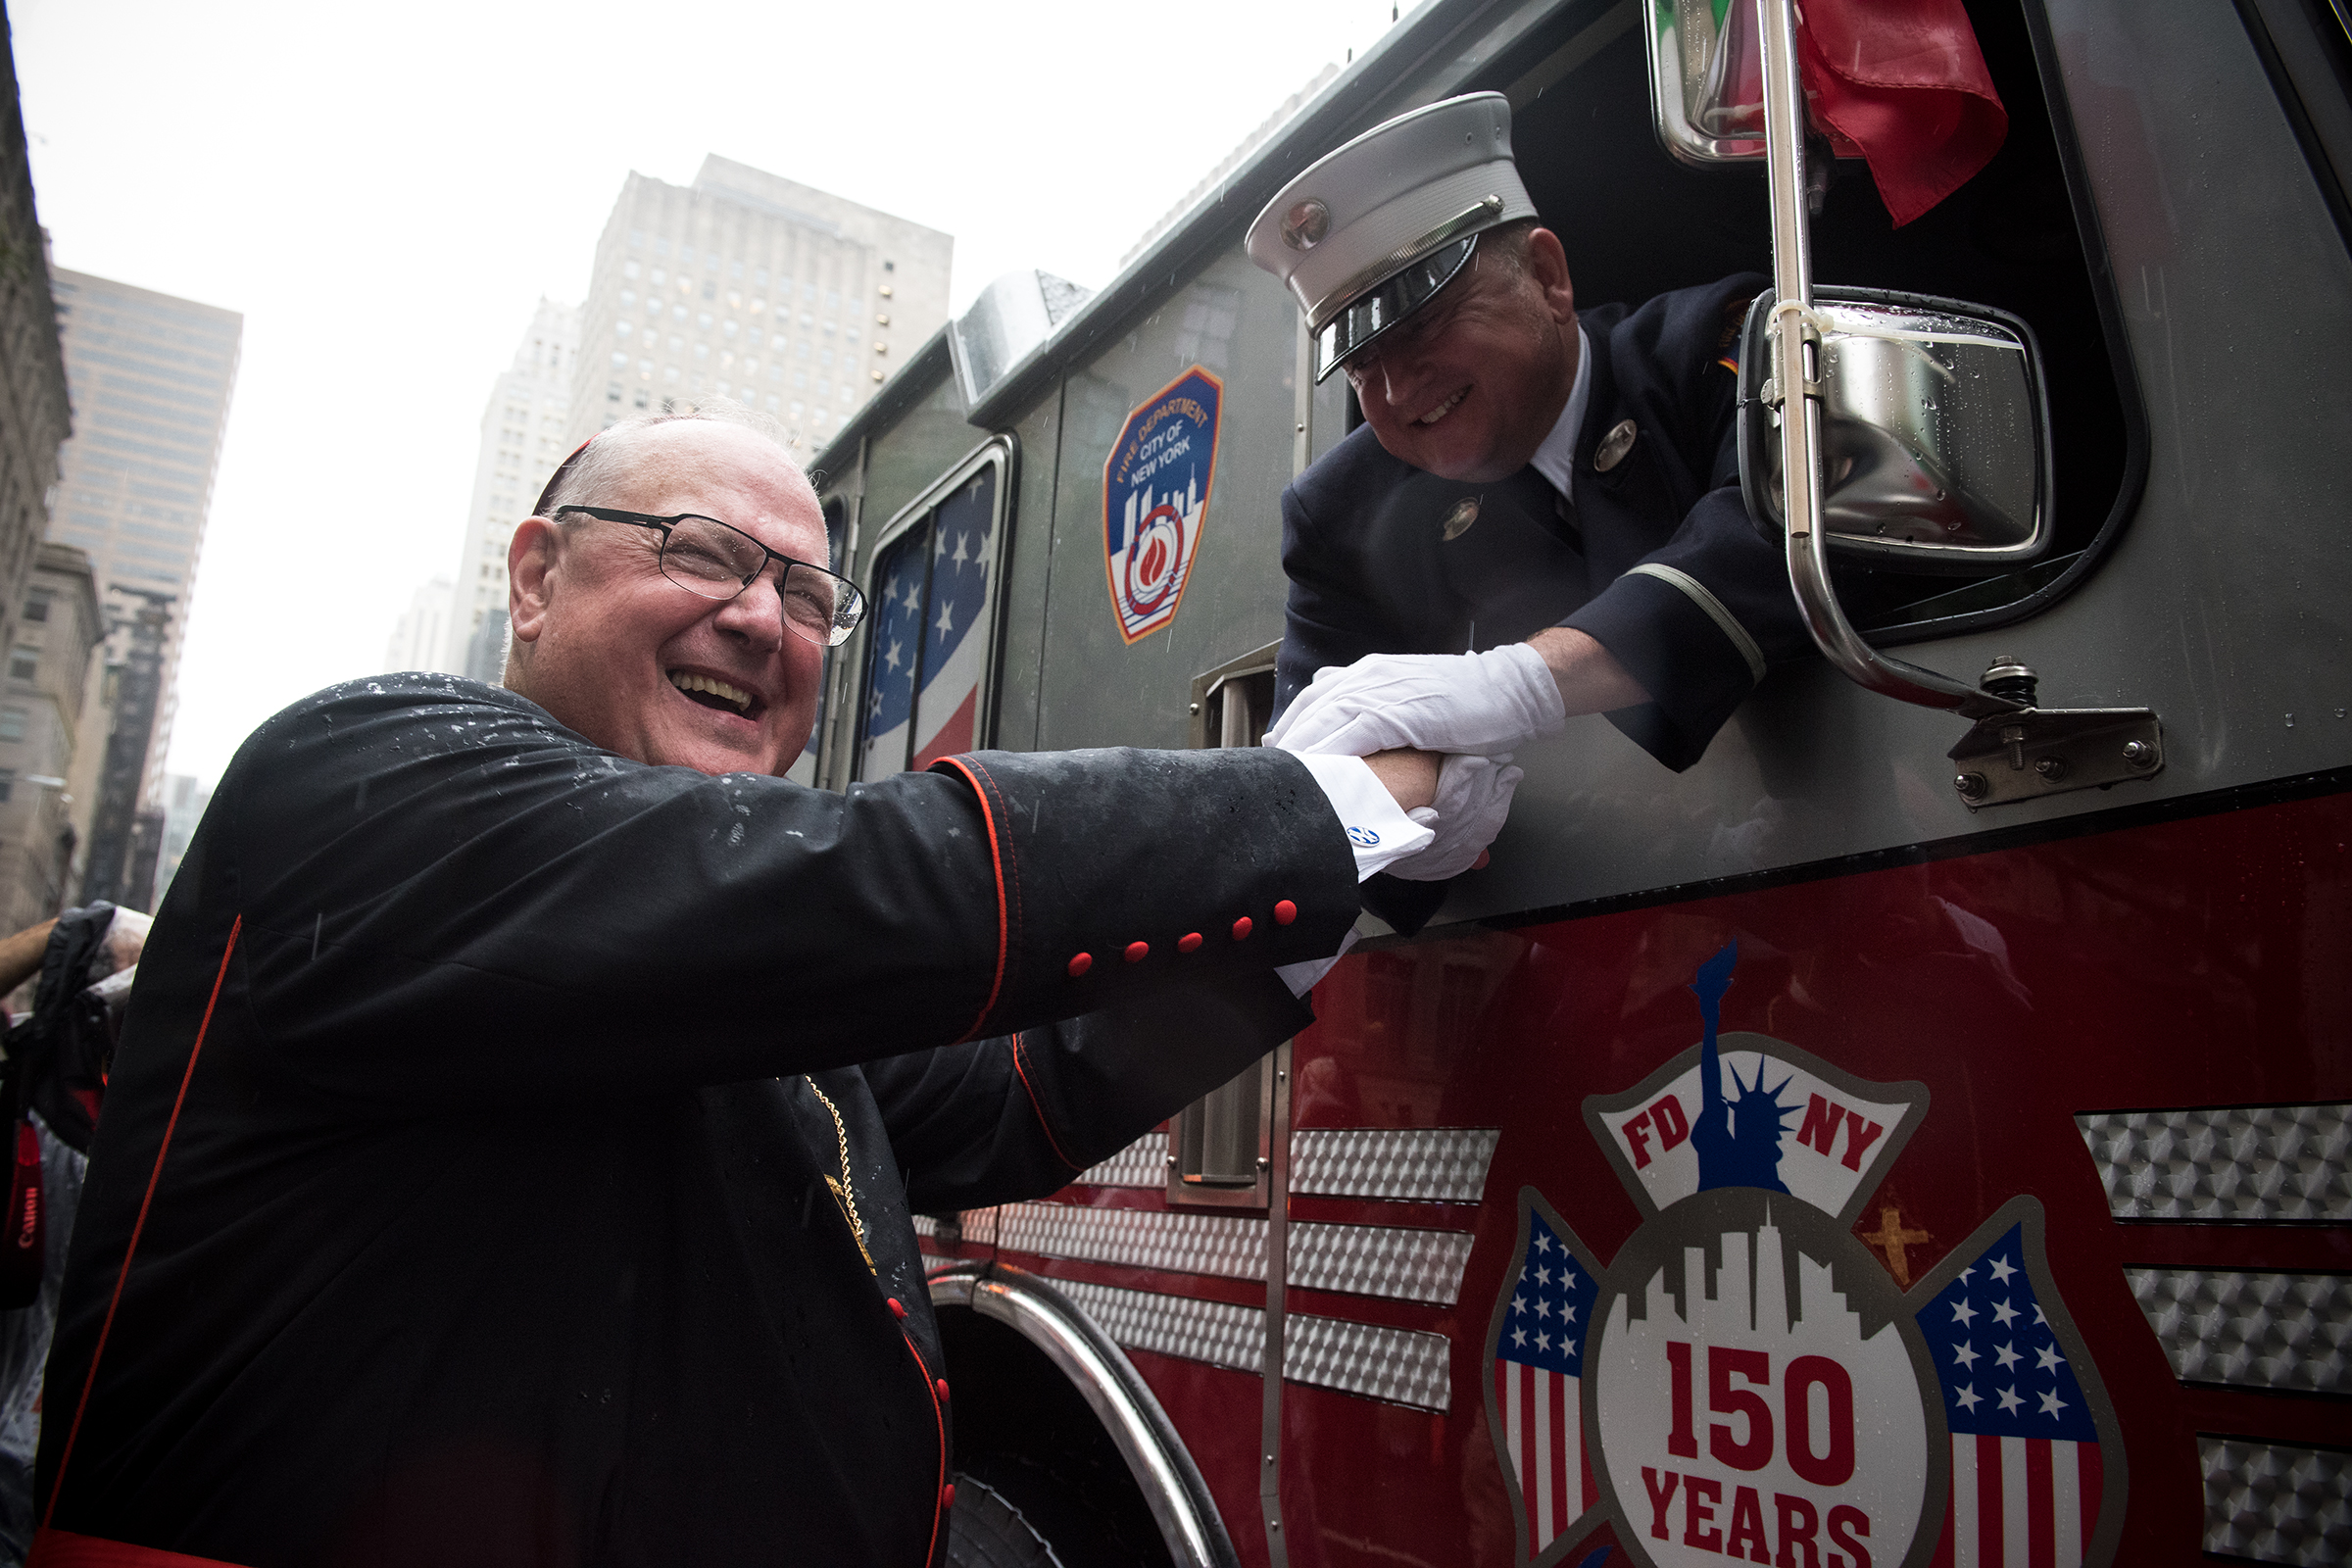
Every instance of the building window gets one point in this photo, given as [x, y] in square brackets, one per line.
[628, 268]
[12, 724]
[726, 328]
[637, 239]
[7, 782]
[661, 248]
[736, 271]
[25, 663]
[612, 392]
[771, 402]
[703, 321]
[36, 608]
[702, 351]
[644, 397]
[832, 299]
[678, 311]
[659, 277]
[621, 362]
[686, 256]
[710, 289]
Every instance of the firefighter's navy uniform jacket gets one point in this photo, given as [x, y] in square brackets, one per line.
[495, 1225]
[1653, 555]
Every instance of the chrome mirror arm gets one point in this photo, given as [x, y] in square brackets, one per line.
[1794, 392]
[2015, 750]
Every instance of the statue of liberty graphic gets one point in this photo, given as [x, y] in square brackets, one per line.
[1739, 1138]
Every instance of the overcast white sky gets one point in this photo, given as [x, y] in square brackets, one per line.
[384, 192]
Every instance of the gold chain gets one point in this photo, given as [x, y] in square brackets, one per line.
[845, 1192]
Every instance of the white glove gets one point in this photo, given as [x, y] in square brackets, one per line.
[1487, 703]
[1474, 798]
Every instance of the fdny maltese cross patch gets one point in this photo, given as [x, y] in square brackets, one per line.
[1155, 486]
[1745, 1381]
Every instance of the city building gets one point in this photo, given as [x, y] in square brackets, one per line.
[750, 286]
[58, 624]
[34, 414]
[420, 637]
[184, 801]
[524, 427]
[150, 376]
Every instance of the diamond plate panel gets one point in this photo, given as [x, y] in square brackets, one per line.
[1142, 1163]
[1411, 1265]
[2242, 1164]
[2275, 1504]
[1403, 1367]
[1417, 1164]
[1139, 1238]
[1380, 1260]
[2263, 1331]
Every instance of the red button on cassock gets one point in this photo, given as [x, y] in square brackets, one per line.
[1081, 963]
[1285, 912]
[942, 1387]
[1136, 951]
[947, 1496]
[895, 1309]
[1241, 928]
[1187, 941]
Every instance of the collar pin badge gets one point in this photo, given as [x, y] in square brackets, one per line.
[1615, 445]
[1459, 520]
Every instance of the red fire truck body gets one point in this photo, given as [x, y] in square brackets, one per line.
[1811, 1158]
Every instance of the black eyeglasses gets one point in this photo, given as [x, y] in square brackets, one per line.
[718, 561]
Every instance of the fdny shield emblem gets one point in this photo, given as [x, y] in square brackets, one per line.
[1156, 488]
[1746, 1380]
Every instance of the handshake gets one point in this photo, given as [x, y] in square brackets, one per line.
[1458, 717]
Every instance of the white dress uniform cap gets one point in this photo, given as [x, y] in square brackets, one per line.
[1369, 233]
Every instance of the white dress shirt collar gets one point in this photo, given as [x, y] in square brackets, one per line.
[1555, 458]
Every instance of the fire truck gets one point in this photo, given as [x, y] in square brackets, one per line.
[1919, 1133]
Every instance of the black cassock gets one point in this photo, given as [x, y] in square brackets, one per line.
[495, 1225]
[1654, 556]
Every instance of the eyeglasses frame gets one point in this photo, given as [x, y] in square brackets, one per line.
[646, 519]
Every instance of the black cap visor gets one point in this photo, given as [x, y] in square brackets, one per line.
[1388, 303]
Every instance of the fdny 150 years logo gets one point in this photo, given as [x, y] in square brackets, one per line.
[1744, 1380]
[1156, 497]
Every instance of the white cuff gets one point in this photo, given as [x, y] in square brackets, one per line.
[1305, 977]
[1378, 830]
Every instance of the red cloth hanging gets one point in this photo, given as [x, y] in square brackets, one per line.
[1902, 84]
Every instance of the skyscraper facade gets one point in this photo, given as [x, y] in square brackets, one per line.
[34, 414]
[420, 637]
[524, 427]
[150, 376]
[752, 286]
[40, 708]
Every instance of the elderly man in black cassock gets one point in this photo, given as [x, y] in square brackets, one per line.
[1541, 514]
[509, 1154]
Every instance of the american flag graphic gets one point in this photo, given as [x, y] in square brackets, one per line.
[1539, 1372]
[925, 653]
[2027, 1468]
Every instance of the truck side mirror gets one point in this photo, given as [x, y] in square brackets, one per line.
[1936, 447]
